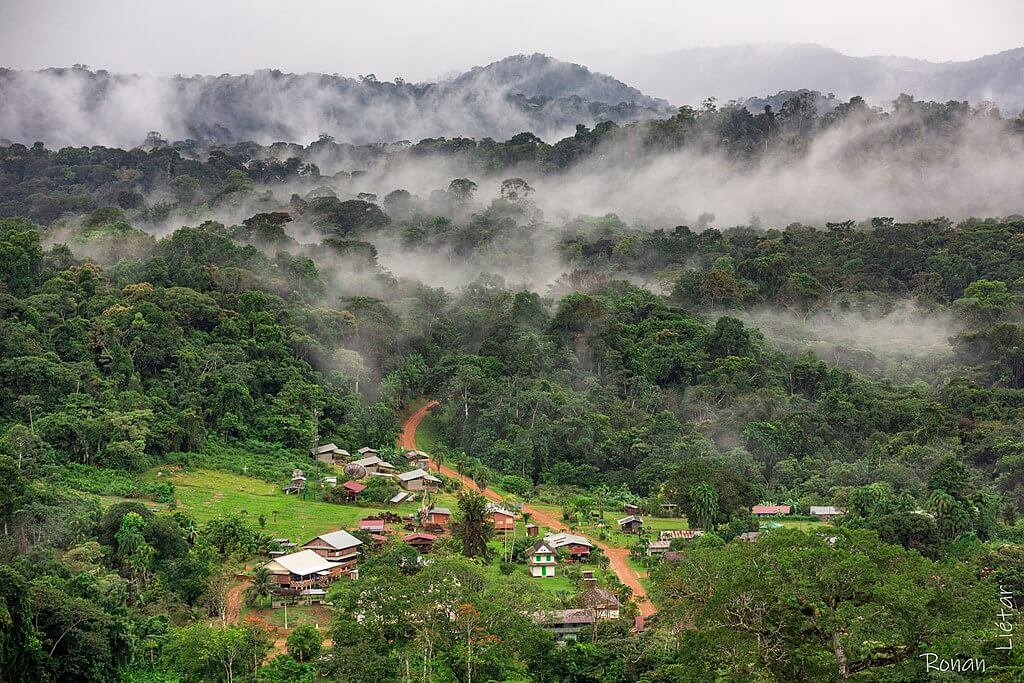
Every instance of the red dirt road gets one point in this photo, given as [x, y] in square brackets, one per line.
[617, 557]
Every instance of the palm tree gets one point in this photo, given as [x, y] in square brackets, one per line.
[705, 505]
[480, 477]
[261, 588]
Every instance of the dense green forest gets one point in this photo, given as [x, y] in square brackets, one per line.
[186, 305]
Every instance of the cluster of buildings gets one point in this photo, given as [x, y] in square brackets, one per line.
[542, 558]
[370, 464]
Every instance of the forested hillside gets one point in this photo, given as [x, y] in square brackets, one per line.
[192, 308]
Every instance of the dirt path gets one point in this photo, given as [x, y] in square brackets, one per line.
[234, 600]
[618, 557]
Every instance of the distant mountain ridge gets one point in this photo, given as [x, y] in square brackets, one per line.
[520, 93]
[534, 92]
[742, 71]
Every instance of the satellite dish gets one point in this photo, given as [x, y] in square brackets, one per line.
[355, 471]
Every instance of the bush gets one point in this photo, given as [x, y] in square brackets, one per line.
[304, 643]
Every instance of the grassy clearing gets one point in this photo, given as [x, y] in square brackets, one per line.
[427, 437]
[314, 615]
[206, 494]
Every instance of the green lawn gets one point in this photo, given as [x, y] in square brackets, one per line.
[206, 494]
[316, 615]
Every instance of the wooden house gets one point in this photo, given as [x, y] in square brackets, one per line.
[418, 480]
[631, 524]
[338, 546]
[423, 542]
[658, 547]
[417, 459]
[373, 465]
[372, 526]
[329, 454]
[566, 624]
[541, 560]
[366, 451]
[826, 512]
[352, 490]
[576, 548]
[532, 530]
[305, 574]
[438, 516]
[502, 519]
[603, 603]
[631, 509]
[770, 510]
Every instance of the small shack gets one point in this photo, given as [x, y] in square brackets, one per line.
[298, 484]
[352, 489]
[438, 516]
[631, 524]
[423, 542]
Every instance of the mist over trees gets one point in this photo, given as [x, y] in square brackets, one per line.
[704, 310]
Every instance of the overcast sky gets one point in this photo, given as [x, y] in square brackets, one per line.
[420, 39]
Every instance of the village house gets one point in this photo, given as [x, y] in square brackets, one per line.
[565, 623]
[631, 509]
[631, 524]
[329, 454]
[604, 604]
[687, 534]
[298, 484]
[541, 560]
[373, 465]
[417, 459]
[423, 542]
[338, 546]
[749, 536]
[826, 512]
[771, 510]
[352, 489]
[304, 574]
[438, 516]
[502, 519]
[576, 548]
[372, 526]
[366, 451]
[532, 530]
[400, 497]
[658, 547]
[330, 480]
[418, 480]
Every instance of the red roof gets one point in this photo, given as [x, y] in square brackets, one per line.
[419, 536]
[576, 549]
[353, 486]
[371, 524]
[771, 509]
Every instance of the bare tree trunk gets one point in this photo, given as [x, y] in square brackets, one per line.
[840, 656]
